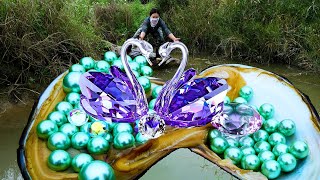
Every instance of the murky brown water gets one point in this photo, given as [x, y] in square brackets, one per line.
[183, 163]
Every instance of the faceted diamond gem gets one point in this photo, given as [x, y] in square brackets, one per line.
[151, 126]
[77, 117]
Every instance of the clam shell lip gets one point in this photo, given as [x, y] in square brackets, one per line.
[289, 103]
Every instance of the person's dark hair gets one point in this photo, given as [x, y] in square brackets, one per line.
[154, 10]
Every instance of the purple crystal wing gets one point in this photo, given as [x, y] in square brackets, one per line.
[197, 102]
[107, 97]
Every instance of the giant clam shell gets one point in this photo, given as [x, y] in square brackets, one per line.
[133, 163]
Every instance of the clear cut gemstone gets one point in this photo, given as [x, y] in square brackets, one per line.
[151, 125]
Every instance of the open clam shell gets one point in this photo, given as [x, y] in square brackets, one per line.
[133, 163]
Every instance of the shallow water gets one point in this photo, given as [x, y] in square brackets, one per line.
[181, 164]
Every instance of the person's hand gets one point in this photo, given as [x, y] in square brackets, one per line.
[176, 39]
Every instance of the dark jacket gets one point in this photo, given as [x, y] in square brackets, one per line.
[146, 27]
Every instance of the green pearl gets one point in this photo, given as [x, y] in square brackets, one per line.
[280, 149]
[287, 127]
[123, 140]
[213, 133]
[87, 62]
[140, 139]
[70, 82]
[97, 170]
[240, 100]
[246, 141]
[136, 74]
[287, 162]
[152, 103]
[271, 169]
[46, 128]
[247, 150]
[276, 138]
[58, 140]
[134, 66]
[129, 58]
[80, 160]
[122, 127]
[118, 63]
[141, 60]
[246, 92]
[102, 66]
[260, 135]
[69, 129]
[266, 110]
[145, 83]
[58, 117]
[73, 98]
[219, 145]
[108, 137]
[226, 100]
[250, 162]
[64, 107]
[266, 155]
[262, 146]
[80, 140]
[227, 109]
[232, 142]
[98, 145]
[156, 91]
[77, 68]
[111, 125]
[299, 149]
[146, 71]
[86, 127]
[270, 125]
[233, 153]
[59, 160]
[110, 56]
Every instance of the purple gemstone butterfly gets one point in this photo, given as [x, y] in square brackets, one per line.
[184, 101]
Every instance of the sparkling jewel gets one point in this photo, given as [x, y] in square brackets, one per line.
[141, 60]
[152, 103]
[213, 133]
[98, 128]
[58, 117]
[266, 155]
[246, 92]
[73, 98]
[271, 169]
[232, 142]
[70, 82]
[134, 66]
[299, 149]
[260, 135]
[110, 56]
[266, 110]
[271, 125]
[247, 150]
[98, 170]
[122, 127]
[59, 160]
[46, 128]
[287, 127]
[58, 140]
[240, 100]
[156, 91]
[87, 62]
[250, 162]
[240, 120]
[287, 162]
[233, 153]
[219, 145]
[68, 129]
[141, 139]
[77, 117]
[108, 137]
[80, 160]
[280, 149]
[123, 140]
[276, 138]
[80, 140]
[64, 107]
[102, 66]
[118, 63]
[98, 145]
[151, 125]
[226, 100]
[77, 68]
[246, 141]
[262, 146]
[145, 83]
[146, 71]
